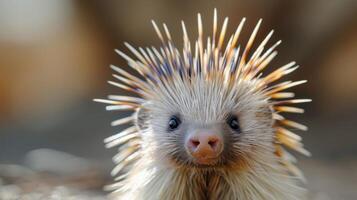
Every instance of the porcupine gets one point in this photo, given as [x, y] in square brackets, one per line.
[207, 123]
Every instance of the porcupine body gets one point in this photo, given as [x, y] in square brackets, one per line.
[207, 123]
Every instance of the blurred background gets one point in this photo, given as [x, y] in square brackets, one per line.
[55, 57]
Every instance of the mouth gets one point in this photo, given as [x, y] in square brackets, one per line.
[185, 159]
[190, 162]
[206, 161]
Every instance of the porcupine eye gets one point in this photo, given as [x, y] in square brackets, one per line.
[174, 123]
[233, 123]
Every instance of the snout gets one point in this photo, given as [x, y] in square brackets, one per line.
[204, 146]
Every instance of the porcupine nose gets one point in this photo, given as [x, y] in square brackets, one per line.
[204, 146]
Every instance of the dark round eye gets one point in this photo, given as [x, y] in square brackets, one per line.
[174, 123]
[233, 123]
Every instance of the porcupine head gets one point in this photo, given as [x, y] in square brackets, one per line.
[206, 121]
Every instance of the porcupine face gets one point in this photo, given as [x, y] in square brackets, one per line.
[206, 123]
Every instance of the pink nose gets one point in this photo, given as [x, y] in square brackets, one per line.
[205, 147]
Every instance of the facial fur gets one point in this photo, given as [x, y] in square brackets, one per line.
[203, 104]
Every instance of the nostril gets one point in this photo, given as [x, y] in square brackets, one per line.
[212, 143]
[195, 143]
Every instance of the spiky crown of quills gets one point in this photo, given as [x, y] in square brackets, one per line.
[159, 67]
